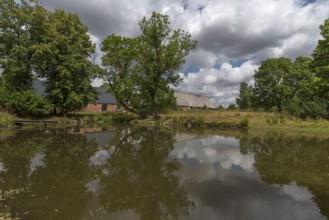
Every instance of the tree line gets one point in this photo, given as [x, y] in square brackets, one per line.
[299, 87]
[55, 46]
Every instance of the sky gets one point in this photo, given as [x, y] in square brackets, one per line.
[233, 36]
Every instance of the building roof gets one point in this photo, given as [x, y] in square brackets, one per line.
[193, 100]
[105, 97]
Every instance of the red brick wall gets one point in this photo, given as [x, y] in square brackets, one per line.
[112, 108]
[98, 108]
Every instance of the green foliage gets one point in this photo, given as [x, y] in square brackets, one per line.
[16, 43]
[55, 45]
[272, 120]
[108, 118]
[244, 122]
[4, 94]
[314, 109]
[244, 101]
[6, 120]
[140, 69]
[28, 103]
[220, 107]
[272, 83]
[120, 117]
[231, 106]
[321, 54]
[281, 85]
[63, 60]
[23, 26]
[23, 103]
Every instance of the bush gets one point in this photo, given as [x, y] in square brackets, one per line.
[272, 120]
[28, 103]
[244, 122]
[314, 109]
[231, 107]
[123, 117]
[6, 120]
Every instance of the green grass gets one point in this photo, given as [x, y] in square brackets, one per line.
[6, 119]
[262, 120]
[203, 118]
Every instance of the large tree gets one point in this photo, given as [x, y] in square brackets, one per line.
[63, 58]
[321, 58]
[244, 101]
[139, 70]
[292, 86]
[271, 83]
[21, 28]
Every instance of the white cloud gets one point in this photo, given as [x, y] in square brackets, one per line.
[226, 31]
[221, 85]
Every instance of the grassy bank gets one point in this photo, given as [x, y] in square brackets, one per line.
[77, 118]
[260, 120]
[222, 119]
[6, 119]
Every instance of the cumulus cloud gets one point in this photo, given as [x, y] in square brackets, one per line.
[226, 31]
[220, 84]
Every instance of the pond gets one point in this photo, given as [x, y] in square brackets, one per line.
[163, 173]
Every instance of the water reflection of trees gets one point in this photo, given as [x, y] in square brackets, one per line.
[57, 188]
[281, 159]
[139, 176]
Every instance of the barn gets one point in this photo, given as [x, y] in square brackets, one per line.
[105, 102]
[188, 101]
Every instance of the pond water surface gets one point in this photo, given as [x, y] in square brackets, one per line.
[153, 173]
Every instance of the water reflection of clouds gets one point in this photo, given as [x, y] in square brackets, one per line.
[220, 191]
[296, 192]
[2, 167]
[237, 197]
[100, 157]
[215, 149]
[36, 161]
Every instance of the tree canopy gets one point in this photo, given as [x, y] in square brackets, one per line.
[245, 97]
[321, 59]
[35, 42]
[139, 70]
[18, 36]
[272, 84]
[63, 60]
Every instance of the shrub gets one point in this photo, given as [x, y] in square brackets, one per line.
[28, 103]
[244, 122]
[272, 120]
[123, 117]
[6, 120]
